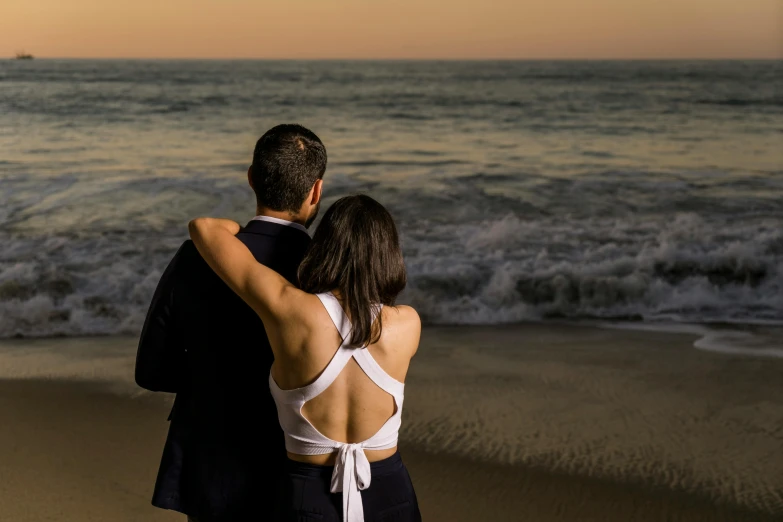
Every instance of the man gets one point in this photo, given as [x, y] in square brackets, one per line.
[225, 448]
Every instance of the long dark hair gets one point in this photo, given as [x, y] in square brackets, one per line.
[356, 252]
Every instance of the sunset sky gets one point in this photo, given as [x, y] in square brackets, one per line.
[393, 28]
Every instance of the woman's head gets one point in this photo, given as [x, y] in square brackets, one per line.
[356, 252]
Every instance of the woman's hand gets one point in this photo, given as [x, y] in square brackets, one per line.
[204, 225]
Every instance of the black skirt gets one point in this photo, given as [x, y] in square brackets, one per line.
[305, 495]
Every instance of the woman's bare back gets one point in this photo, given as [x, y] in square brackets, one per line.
[352, 408]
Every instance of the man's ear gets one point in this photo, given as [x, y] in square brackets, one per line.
[316, 193]
[250, 177]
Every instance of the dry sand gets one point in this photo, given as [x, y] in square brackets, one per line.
[570, 424]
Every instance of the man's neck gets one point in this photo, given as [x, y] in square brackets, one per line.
[280, 215]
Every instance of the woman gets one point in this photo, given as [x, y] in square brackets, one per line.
[342, 351]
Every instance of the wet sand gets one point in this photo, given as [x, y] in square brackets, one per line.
[528, 423]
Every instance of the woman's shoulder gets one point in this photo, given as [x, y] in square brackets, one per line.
[404, 314]
[303, 310]
[401, 328]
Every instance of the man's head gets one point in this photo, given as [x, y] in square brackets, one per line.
[289, 162]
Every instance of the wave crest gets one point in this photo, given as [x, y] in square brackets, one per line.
[690, 270]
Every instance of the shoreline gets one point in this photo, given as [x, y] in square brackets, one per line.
[753, 339]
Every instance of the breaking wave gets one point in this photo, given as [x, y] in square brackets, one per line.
[688, 270]
[501, 271]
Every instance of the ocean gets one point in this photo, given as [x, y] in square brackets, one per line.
[636, 193]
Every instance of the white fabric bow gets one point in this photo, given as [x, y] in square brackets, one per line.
[351, 474]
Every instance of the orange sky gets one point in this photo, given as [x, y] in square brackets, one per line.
[393, 28]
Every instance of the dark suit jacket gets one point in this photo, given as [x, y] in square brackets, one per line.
[225, 447]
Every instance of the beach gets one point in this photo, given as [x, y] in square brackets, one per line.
[595, 248]
[533, 422]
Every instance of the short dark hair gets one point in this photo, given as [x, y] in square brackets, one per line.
[287, 161]
[356, 251]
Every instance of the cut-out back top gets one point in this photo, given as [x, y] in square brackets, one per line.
[352, 469]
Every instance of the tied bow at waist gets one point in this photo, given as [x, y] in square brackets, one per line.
[351, 474]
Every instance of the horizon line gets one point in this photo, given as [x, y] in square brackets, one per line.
[409, 59]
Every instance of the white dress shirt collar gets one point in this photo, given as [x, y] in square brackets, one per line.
[283, 222]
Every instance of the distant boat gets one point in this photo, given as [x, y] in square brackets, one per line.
[24, 56]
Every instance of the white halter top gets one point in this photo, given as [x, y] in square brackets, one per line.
[352, 469]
